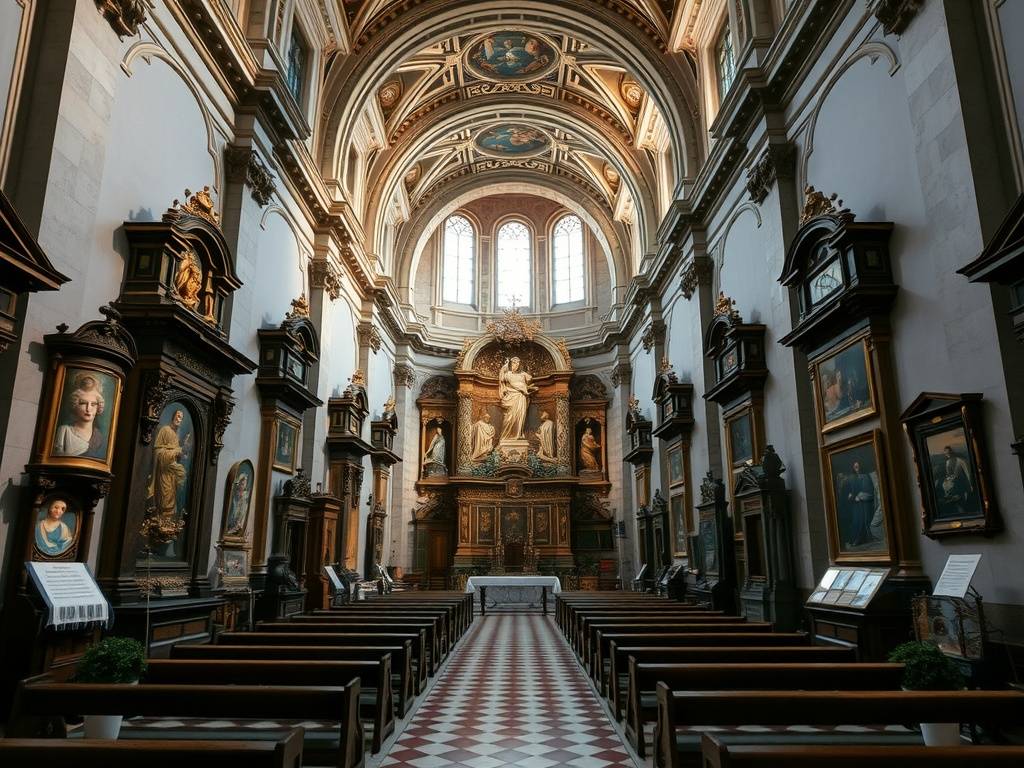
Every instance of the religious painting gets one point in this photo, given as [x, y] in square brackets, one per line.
[741, 439]
[708, 534]
[511, 55]
[486, 516]
[512, 140]
[169, 483]
[237, 498]
[844, 386]
[857, 498]
[542, 526]
[234, 568]
[680, 527]
[950, 469]
[286, 444]
[589, 439]
[56, 529]
[436, 455]
[676, 473]
[83, 417]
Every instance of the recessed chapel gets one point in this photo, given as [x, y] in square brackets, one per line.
[584, 383]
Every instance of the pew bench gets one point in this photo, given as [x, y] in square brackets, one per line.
[330, 715]
[401, 660]
[375, 704]
[802, 717]
[439, 635]
[678, 654]
[715, 754]
[642, 699]
[158, 753]
[587, 623]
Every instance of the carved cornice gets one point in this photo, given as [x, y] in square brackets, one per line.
[698, 272]
[324, 275]
[124, 16]
[654, 335]
[405, 375]
[243, 165]
[778, 162]
[894, 15]
[621, 374]
[369, 336]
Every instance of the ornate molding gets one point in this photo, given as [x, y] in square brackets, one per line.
[156, 393]
[726, 307]
[698, 272]
[245, 166]
[124, 16]
[222, 409]
[199, 204]
[404, 375]
[513, 328]
[816, 204]
[369, 336]
[324, 275]
[894, 15]
[621, 374]
[654, 335]
[778, 162]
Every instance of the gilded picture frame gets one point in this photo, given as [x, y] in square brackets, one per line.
[844, 385]
[238, 488]
[80, 427]
[56, 528]
[857, 500]
[286, 445]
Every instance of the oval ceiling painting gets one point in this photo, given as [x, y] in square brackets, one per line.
[511, 55]
[512, 140]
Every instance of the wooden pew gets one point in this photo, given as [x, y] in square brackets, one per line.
[447, 615]
[337, 705]
[715, 754]
[339, 640]
[677, 709]
[374, 677]
[462, 601]
[620, 653]
[641, 696]
[681, 637]
[592, 648]
[432, 639]
[584, 622]
[566, 602]
[401, 660]
[444, 640]
[162, 753]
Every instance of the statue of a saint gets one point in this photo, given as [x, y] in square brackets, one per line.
[590, 451]
[188, 280]
[546, 435]
[514, 388]
[482, 438]
[168, 472]
[434, 458]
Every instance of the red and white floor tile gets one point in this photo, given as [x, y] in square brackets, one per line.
[511, 695]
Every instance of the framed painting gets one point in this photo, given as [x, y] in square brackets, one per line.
[945, 433]
[676, 470]
[234, 568]
[170, 480]
[237, 499]
[844, 386]
[56, 528]
[680, 523]
[856, 500]
[286, 444]
[740, 431]
[82, 418]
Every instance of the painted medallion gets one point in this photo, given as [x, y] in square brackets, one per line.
[514, 140]
[511, 55]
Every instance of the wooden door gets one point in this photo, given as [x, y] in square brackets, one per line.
[437, 560]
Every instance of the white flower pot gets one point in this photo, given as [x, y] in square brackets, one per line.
[103, 726]
[941, 734]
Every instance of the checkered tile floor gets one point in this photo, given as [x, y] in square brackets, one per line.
[512, 695]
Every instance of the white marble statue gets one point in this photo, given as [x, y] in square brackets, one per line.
[514, 388]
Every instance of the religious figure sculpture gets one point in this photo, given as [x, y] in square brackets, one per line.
[590, 451]
[188, 280]
[168, 472]
[546, 435]
[434, 458]
[482, 442]
[514, 388]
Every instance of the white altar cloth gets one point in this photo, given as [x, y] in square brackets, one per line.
[551, 582]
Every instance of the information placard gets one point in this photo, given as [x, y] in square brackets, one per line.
[71, 594]
[333, 576]
[956, 576]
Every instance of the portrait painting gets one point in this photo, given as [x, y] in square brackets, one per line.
[512, 140]
[169, 483]
[858, 497]
[708, 545]
[511, 55]
[56, 529]
[741, 439]
[589, 439]
[286, 444]
[675, 465]
[85, 416]
[952, 475]
[680, 529]
[238, 499]
[845, 392]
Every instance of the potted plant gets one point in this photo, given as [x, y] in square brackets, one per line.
[587, 567]
[927, 668]
[112, 660]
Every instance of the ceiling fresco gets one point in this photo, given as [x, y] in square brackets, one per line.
[512, 140]
[511, 55]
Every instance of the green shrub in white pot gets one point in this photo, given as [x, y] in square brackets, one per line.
[927, 668]
[112, 660]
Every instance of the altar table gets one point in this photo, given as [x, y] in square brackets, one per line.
[508, 586]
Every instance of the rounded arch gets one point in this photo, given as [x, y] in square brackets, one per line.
[558, 358]
[300, 251]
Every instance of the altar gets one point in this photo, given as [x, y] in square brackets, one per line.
[513, 589]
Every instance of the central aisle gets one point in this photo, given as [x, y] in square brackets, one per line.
[512, 695]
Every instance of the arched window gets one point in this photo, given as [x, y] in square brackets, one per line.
[514, 265]
[459, 250]
[567, 259]
[726, 62]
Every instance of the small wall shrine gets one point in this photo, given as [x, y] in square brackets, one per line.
[520, 440]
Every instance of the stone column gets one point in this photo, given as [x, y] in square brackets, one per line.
[403, 494]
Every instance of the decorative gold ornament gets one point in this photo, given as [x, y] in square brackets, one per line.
[161, 528]
[666, 369]
[389, 405]
[564, 349]
[300, 308]
[634, 405]
[513, 328]
[358, 379]
[200, 204]
[816, 204]
[725, 307]
[466, 344]
[188, 280]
